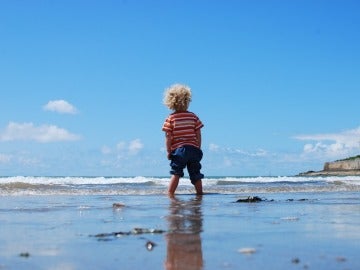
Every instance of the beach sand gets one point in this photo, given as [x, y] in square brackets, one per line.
[284, 231]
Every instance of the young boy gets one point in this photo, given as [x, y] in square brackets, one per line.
[182, 138]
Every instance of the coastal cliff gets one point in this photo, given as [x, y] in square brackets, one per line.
[348, 166]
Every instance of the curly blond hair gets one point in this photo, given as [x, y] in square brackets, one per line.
[177, 97]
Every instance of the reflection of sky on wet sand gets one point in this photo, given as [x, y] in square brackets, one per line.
[184, 248]
[339, 220]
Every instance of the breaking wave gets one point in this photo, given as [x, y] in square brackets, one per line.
[40, 185]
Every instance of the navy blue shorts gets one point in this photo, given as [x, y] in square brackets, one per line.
[187, 156]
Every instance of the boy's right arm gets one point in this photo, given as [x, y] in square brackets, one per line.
[198, 137]
[168, 144]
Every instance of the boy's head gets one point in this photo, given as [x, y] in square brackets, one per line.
[177, 97]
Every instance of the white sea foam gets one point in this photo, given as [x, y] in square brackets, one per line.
[76, 180]
[140, 185]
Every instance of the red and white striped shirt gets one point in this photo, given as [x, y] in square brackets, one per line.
[182, 126]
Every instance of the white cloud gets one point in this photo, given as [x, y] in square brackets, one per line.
[123, 148]
[332, 144]
[106, 150]
[30, 132]
[60, 106]
[125, 155]
[5, 158]
[228, 150]
[214, 147]
[135, 146]
[28, 161]
[259, 153]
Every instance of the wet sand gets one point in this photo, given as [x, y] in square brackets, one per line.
[284, 231]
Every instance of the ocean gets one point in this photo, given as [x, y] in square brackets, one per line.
[141, 185]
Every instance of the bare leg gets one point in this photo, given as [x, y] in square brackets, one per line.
[174, 181]
[198, 187]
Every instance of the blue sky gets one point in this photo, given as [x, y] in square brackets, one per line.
[276, 84]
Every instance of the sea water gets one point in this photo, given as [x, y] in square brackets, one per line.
[141, 185]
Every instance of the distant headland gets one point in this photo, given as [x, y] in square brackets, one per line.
[347, 166]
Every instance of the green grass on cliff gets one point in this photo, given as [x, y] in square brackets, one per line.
[349, 158]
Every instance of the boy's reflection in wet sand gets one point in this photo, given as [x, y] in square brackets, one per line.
[183, 238]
